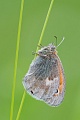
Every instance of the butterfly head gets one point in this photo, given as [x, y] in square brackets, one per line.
[48, 50]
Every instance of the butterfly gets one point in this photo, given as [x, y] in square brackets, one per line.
[45, 79]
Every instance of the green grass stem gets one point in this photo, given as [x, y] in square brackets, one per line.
[45, 24]
[16, 60]
[20, 108]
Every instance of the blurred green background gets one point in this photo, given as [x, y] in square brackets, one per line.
[64, 21]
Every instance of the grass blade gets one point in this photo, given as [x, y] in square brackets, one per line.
[16, 61]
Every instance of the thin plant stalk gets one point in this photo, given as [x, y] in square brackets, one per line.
[20, 108]
[45, 24]
[16, 60]
[40, 40]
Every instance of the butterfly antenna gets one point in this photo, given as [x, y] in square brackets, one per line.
[56, 40]
[60, 42]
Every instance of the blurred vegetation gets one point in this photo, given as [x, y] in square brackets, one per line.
[64, 21]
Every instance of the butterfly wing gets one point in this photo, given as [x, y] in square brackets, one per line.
[58, 96]
[43, 80]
